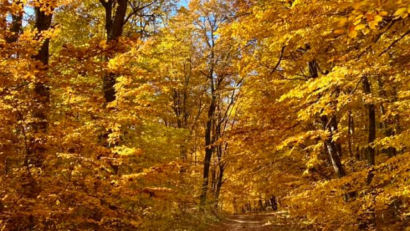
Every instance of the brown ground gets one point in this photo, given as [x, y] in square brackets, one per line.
[276, 221]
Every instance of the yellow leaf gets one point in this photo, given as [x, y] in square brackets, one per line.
[358, 21]
[342, 21]
[373, 25]
[340, 31]
[378, 18]
[352, 33]
[383, 13]
[360, 27]
[401, 13]
[296, 2]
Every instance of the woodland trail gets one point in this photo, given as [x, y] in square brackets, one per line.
[276, 221]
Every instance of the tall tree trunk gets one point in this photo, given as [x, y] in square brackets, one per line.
[213, 178]
[118, 22]
[397, 130]
[208, 147]
[332, 147]
[16, 24]
[15, 31]
[372, 124]
[114, 28]
[370, 155]
[388, 131]
[221, 168]
[41, 91]
[350, 132]
[36, 152]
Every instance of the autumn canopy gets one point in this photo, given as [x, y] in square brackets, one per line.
[171, 115]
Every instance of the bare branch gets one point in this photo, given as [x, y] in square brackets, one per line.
[279, 60]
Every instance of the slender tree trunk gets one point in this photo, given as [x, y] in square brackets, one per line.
[260, 204]
[370, 155]
[36, 151]
[219, 182]
[332, 148]
[372, 124]
[397, 128]
[213, 178]
[273, 203]
[15, 31]
[350, 132]
[16, 25]
[185, 116]
[41, 91]
[208, 148]
[388, 131]
[114, 28]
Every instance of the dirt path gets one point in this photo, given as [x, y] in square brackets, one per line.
[255, 222]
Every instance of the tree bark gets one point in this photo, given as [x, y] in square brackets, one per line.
[273, 203]
[114, 28]
[221, 168]
[36, 151]
[350, 132]
[388, 131]
[332, 147]
[372, 124]
[41, 90]
[208, 147]
[16, 25]
[370, 155]
[15, 31]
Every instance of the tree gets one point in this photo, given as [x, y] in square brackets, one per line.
[309, 60]
[218, 59]
[107, 109]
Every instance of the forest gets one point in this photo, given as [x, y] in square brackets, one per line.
[176, 115]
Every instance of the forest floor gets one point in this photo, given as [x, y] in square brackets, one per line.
[277, 221]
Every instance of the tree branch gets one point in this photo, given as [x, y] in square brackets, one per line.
[136, 10]
[279, 61]
[394, 42]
